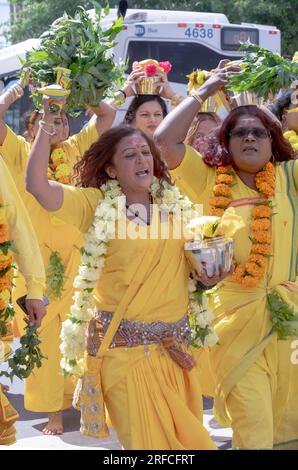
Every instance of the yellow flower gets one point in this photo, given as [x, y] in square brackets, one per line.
[59, 154]
[62, 170]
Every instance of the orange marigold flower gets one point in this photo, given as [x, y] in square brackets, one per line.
[64, 180]
[262, 237]
[269, 180]
[260, 224]
[254, 270]
[225, 169]
[250, 281]
[217, 211]
[225, 179]
[258, 259]
[261, 211]
[266, 189]
[5, 260]
[238, 273]
[261, 249]
[220, 201]
[269, 168]
[3, 233]
[222, 190]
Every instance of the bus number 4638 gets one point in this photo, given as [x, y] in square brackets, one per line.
[199, 33]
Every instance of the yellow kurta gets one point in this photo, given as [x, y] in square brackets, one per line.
[256, 376]
[63, 238]
[152, 402]
[22, 234]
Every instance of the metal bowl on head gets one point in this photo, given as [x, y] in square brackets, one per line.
[213, 255]
[148, 86]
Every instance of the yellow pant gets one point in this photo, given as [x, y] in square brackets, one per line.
[47, 389]
[250, 407]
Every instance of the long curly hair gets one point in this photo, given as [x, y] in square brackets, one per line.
[217, 153]
[90, 171]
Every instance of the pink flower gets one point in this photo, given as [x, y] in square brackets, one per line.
[167, 66]
[150, 70]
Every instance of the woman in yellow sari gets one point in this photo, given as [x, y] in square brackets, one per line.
[20, 231]
[250, 166]
[153, 400]
[47, 390]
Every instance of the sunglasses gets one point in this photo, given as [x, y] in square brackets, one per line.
[257, 132]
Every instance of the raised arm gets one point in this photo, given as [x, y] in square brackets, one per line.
[49, 194]
[104, 116]
[172, 131]
[6, 100]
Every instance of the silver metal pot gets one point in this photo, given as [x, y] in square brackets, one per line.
[211, 254]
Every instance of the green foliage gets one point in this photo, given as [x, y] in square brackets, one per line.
[284, 318]
[55, 277]
[80, 44]
[27, 357]
[265, 73]
[5, 317]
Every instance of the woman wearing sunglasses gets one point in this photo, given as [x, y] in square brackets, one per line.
[251, 167]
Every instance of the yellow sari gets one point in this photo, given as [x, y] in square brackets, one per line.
[256, 376]
[152, 402]
[46, 389]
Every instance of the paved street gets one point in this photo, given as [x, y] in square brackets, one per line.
[30, 425]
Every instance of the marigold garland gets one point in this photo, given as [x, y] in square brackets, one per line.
[6, 276]
[59, 169]
[250, 275]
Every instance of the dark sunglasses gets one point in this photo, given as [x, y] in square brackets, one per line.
[257, 132]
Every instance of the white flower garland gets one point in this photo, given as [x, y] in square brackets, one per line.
[74, 329]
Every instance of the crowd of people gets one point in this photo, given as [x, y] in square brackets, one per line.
[139, 366]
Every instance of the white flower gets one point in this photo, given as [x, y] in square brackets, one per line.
[192, 287]
[211, 339]
[95, 249]
[89, 274]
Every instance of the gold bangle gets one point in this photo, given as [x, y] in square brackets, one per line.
[197, 98]
[45, 123]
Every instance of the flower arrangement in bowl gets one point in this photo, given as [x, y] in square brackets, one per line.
[75, 55]
[150, 84]
[212, 245]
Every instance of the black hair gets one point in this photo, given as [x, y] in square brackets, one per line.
[138, 101]
[282, 103]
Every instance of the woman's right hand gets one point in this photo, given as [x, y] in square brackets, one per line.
[218, 79]
[134, 78]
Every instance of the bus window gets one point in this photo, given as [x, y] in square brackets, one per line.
[184, 56]
[232, 37]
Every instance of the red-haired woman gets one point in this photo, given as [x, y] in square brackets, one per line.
[47, 390]
[151, 392]
[250, 167]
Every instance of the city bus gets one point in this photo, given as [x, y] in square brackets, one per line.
[189, 40]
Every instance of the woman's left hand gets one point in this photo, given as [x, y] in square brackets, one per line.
[211, 281]
[167, 92]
